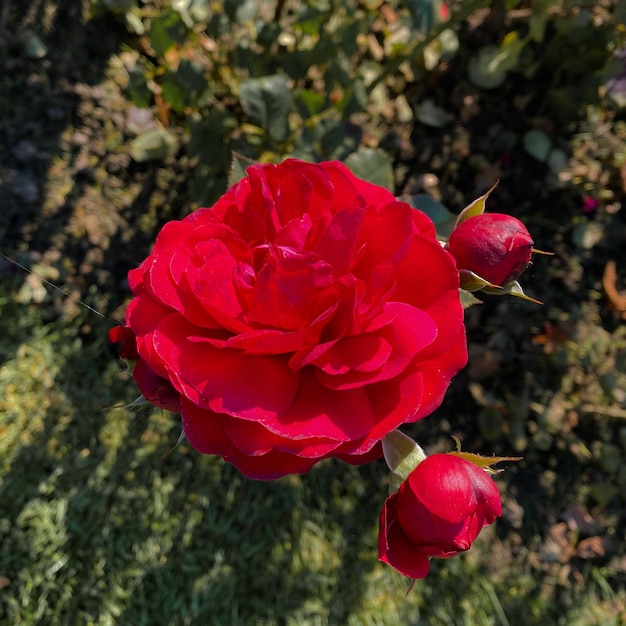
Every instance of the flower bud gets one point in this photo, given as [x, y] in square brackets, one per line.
[494, 246]
[438, 511]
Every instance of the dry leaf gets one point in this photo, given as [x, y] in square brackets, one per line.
[616, 299]
[592, 547]
[558, 545]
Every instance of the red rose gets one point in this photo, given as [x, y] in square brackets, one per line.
[438, 512]
[494, 246]
[304, 316]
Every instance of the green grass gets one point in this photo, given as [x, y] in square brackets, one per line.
[105, 520]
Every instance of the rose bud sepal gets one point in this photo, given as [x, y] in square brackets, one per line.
[511, 289]
[402, 456]
[476, 207]
[473, 282]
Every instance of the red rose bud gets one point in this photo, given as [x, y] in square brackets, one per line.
[496, 247]
[154, 388]
[123, 336]
[438, 512]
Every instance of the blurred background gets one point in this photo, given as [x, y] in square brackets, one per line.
[119, 115]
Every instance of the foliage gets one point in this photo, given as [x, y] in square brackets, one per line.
[116, 123]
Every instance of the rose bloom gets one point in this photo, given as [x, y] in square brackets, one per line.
[494, 246]
[437, 512]
[303, 316]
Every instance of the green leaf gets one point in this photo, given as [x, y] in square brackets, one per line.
[488, 69]
[134, 23]
[355, 98]
[238, 168]
[429, 114]
[402, 454]
[310, 18]
[557, 160]
[33, 47]
[172, 93]
[337, 139]
[373, 165]
[166, 31]
[587, 234]
[266, 101]
[313, 102]
[138, 89]
[153, 145]
[185, 87]
[191, 76]
[423, 14]
[481, 69]
[443, 219]
[538, 20]
[477, 207]
[120, 6]
[537, 144]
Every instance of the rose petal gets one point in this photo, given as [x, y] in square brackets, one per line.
[252, 387]
[394, 402]
[384, 237]
[295, 233]
[269, 341]
[156, 389]
[410, 331]
[165, 281]
[425, 274]
[143, 314]
[438, 372]
[451, 488]
[253, 439]
[373, 454]
[204, 430]
[338, 244]
[291, 290]
[320, 412]
[363, 353]
[352, 191]
[394, 547]
[301, 188]
[211, 279]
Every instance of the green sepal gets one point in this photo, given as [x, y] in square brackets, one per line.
[485, 462]
[468, 299]
[477, 207]
[402, 456]
[511, 289]
[473, 282]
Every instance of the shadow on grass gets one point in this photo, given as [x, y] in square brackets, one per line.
[97, 524]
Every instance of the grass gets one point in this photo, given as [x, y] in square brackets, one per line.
[104, 519]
